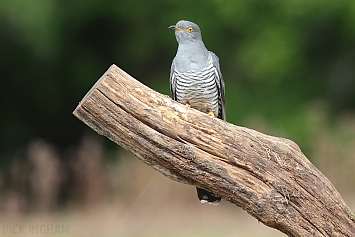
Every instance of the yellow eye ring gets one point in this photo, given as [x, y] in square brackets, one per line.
[190, 29]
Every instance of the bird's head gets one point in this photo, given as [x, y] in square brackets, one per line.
[186, 31]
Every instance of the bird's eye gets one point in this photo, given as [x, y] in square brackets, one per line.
[190, 29]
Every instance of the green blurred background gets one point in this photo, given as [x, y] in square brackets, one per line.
[289, 69]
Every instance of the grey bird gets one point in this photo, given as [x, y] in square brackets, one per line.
[196, 81]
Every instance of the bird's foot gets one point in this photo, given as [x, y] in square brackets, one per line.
[188, 106]
[211, 114]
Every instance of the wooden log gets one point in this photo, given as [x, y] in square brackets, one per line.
[267, 176]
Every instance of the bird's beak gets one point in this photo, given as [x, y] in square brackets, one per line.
[173, 27]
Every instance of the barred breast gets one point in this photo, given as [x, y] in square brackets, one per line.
[198, 88]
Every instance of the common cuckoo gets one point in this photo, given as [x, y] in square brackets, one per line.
[196, 81]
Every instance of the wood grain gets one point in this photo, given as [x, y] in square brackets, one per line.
[267, 176]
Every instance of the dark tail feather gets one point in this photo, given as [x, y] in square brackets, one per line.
[208, 197]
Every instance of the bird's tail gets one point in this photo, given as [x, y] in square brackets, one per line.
[208, 197]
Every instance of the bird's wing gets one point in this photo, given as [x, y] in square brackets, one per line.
[172, 81]
[220, 85]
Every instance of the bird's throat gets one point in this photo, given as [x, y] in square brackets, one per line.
[191, 57]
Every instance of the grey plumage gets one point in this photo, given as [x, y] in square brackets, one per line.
[196, 79]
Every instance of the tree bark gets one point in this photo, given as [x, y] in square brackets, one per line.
[267, 176]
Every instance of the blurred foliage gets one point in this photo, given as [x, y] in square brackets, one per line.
[276, 57]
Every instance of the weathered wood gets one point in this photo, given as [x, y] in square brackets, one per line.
[267, 176]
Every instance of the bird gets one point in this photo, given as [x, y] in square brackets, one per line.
[196, 81]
